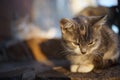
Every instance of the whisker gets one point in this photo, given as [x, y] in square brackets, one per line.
[64, 52]
[61, 52]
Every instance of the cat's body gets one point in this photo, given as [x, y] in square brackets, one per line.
[89, 42]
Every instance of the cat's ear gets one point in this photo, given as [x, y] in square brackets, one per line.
[98, 21]
[95, 19]
[66, 24]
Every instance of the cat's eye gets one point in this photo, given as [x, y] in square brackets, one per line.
[91, 43]
[75, 43]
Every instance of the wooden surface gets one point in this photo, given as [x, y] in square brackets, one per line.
[60, 73]
[42, 69]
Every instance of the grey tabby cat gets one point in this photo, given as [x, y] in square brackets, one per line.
[90, 43]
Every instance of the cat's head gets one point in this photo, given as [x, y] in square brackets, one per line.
[81, 35]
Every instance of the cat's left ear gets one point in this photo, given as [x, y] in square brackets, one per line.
[99, 21]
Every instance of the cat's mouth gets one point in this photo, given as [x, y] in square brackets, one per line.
[76, 54]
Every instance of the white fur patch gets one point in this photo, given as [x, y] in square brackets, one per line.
[82, 68]
[73, 68]
[86, 68]
[77, 50]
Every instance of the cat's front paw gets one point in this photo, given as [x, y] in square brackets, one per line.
[74, 68]
[85, 68]
[82, 68]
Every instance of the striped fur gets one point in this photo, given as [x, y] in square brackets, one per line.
[89, 41]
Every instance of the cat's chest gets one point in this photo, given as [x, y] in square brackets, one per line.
[80, 59]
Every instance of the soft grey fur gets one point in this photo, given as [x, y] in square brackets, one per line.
[89, 42]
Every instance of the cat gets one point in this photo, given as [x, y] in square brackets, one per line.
[91, 44]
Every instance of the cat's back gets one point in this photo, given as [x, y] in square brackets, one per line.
[110, 42]
[106, 30]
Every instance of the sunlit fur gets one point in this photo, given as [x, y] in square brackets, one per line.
[89, 41]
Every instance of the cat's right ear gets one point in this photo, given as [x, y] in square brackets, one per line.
[66, 24]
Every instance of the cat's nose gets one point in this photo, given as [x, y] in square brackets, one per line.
[83, 51]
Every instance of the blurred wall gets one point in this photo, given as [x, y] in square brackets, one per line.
[47, 13]
[36, 16]
[11, 10]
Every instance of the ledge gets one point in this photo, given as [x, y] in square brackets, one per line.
[60, 73]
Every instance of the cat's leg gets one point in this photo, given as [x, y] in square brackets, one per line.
[85, 68]
[108, 63]
[110, 60]
[74, 68]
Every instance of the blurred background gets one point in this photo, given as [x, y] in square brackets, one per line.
[29, 29]
[24, 19]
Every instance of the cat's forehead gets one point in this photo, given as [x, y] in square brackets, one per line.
[81, 20]
[85, 30]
